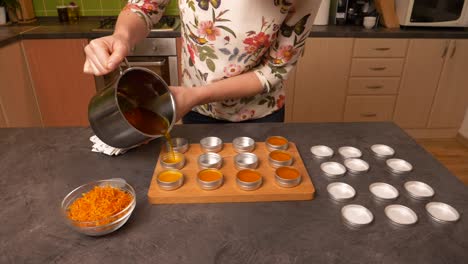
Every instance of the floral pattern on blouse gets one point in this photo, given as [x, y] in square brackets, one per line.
[222, 39]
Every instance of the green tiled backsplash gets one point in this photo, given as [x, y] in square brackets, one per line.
[91, 7]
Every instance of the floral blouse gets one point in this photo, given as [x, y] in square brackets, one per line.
[224, 38]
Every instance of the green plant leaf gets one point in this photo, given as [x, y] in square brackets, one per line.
[211, 65]
[228, 30]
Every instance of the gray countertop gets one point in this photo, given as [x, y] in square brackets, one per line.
[48, 28]
[40, 166]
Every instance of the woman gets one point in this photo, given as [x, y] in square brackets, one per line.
[235, 54]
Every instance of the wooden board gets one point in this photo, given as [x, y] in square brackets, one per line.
[190, 192]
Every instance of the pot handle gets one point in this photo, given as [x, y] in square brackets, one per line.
[125, 61]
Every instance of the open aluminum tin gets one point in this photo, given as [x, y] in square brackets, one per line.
[383, 191]
[272, 147]
[210, 185]
[356, 166]
[280, 163]
[180, 145]
[442, 212]
[249, 185]
[398, 166]
[356, 216]
[321, 152]
[172, 185]
[401, 215]
[243, 144]
[210, 160]
[285, 182]
[173, 165]
[419, 190]
[333, 169]
[246, 161]
[348, 152]
[382, 151]
[211, 144]
[340, 191]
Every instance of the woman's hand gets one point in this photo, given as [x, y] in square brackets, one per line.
[185, 99]
[103, 55]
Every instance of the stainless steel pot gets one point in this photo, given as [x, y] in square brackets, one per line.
[135, 88]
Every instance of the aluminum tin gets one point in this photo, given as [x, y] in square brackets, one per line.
[276, 163]
[287, 183]
[356, 215]
[321, 152]
[356, 166]
[211, 144]
[180, 145]
[398, 166]
[243, 144]
[178, 165]
[382, 151]
[169, 186]
[272, 147]
[401, 215]
[341, 192]
[333, 169]
[210, 160]
[383, 191]
[347, 152]
[210, 185]
[442, 212]
[419, 190]
[246, 161]
[249, 186]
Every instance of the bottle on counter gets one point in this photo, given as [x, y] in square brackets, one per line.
[73, 13]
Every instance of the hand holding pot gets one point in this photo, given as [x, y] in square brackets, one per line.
[104, 55]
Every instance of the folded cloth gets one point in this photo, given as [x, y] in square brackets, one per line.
[101, 147]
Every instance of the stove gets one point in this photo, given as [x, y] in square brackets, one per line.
[166, 23]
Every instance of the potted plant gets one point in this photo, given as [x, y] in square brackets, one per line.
[7, 5]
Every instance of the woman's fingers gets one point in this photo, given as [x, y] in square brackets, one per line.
[102, 52]
[119, 51]
[91, 55]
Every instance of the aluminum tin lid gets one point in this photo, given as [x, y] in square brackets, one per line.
[401, 215]
[382, 151]
[210, 160]
[246, 161]
[356, 166]
[171, 184]
[349, 152]
[383, 191]
[211, 144]
[248, 184]
[399, 166]
[243, 144]
[419, 190]
[321, 151]
[180, 145]
[442, 212]
[340, 191]
[333, 169]
[356, 215]
[174, 160]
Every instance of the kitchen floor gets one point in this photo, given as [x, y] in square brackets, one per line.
[451, 153]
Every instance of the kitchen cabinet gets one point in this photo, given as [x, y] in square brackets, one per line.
[2, 118]
[369, 108]
[419, 81]
[17, 98]
[451, 99]
[62, 89]
[321, 80]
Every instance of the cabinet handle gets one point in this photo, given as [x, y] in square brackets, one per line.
[374, 87]
[382, 49]
[368, 115]
[445, 49]
[454, 49]
[377, 68]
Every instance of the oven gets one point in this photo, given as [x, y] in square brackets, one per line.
[156, 54]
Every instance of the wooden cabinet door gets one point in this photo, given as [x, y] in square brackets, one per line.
[451, 98]
[2, 118]
[419, 81]
[321, 80]
[62, 89]
[17, 97]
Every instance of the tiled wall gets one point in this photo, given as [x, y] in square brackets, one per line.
[91, 7]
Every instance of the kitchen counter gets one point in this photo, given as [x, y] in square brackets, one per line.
[50, 28]
[40, 166]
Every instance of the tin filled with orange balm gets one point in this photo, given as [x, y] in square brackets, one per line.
[248, 179]
[287, 177]
[173, 160]
[277, 143]
[280, 158]
[170, 179]
[210, 179]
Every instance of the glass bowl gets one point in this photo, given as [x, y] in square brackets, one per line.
[102, 226]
